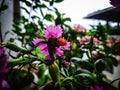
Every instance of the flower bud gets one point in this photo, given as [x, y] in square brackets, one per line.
[54, 72]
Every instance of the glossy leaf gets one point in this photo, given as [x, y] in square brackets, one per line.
[19, 61]
[58, 1]
[66, 19]
[49, 17]
[26, 2]
[108, 62]
[84, 73]
[76, 59]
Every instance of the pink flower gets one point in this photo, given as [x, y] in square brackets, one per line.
[78, 28]
[66, 64]
[53, 32]
[110, 42]
[82, 41]
[55, 41]
[87, 39]
[95, 54]
[95, 41]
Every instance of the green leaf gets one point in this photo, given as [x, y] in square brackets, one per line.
[49, 17]
[57, 12]
[85, 73]
[46, 0]
[68, 79]
[64, 71]
[72, 68]
[76, 59]
[83, 64]
[35, 17]
[18, 61]
[108, 62]
[15, 48]
[114, 61]
[58, 1]
[38, 53]
[23, 19]
[58, 21]
[97, 61]
[25, 10]
[43, 6]
[65, 19]
[27, 3]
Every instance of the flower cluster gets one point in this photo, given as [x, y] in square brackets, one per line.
[87, 39]
[79, 29]
[111, 41]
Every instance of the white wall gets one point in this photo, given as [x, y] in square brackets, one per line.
[6, 18]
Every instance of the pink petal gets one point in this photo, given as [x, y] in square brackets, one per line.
[59, 52]
[53, 31]
[67, 46]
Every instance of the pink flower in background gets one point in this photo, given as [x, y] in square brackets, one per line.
[116, 4]
[55, 41]
[95, 54]
[118, 39]
[82, 41]
[66, 64]
[95, 41]
[78, 28]
[110, 42]
[87, 39]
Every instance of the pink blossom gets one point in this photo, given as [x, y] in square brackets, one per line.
[55, 41]
[66, 47]
[43, 47]
[78, 28]
[118, 39]
[59, 52]
[66, 64]
[82, 41]
[95, 54]
[110, 42]
[53, 32]
[87, 39]
[95, 41]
